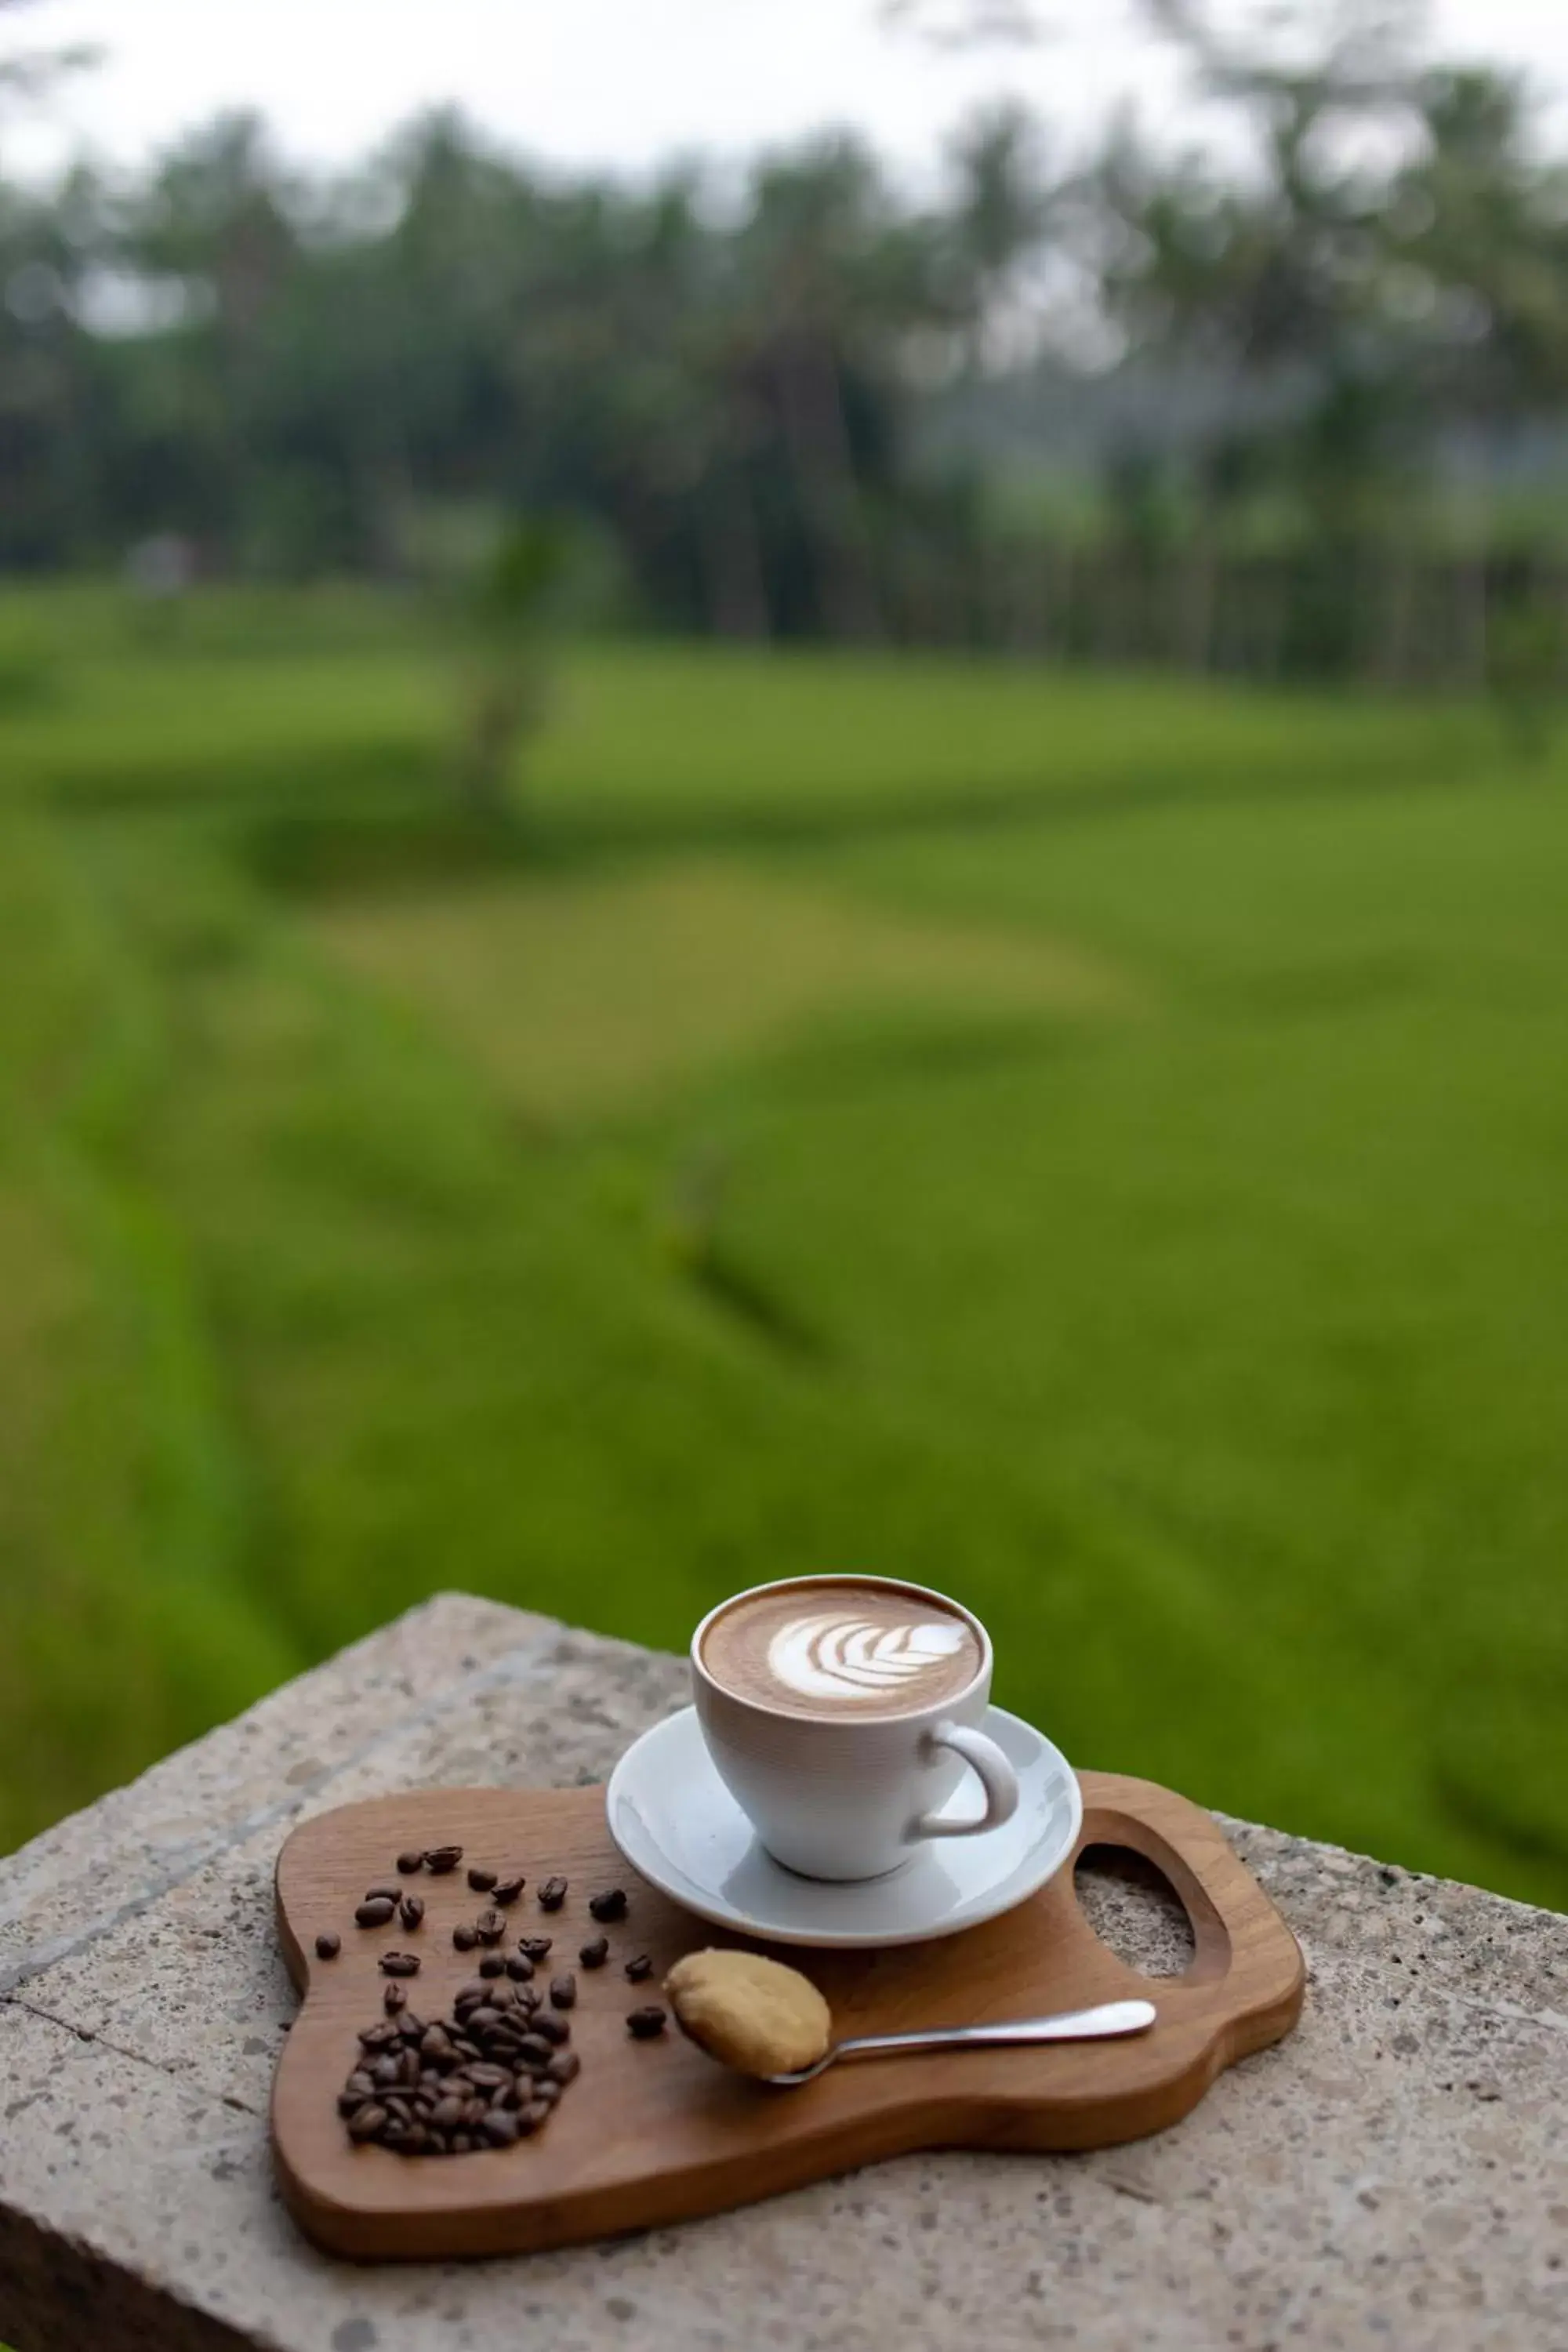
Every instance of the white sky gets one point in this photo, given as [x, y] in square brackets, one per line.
[617, 82]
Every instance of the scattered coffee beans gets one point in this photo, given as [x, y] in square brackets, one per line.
[479, 2079]
[490, 2073]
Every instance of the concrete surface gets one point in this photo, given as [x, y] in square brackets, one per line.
[1396, 2175]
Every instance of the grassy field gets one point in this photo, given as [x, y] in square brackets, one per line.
[1095, 1144]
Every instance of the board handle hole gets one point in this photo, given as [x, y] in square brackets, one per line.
[1134, 1910]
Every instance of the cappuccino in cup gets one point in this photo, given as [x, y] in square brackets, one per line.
[856, 1648]
[842, 1712]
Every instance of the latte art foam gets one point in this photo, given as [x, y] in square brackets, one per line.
[827, 1647]
[845, 1657]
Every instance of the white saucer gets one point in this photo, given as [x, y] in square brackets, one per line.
[676, 1822]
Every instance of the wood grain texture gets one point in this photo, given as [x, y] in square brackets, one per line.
[654, 2132]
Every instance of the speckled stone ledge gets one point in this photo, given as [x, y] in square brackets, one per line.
[1394, 2175]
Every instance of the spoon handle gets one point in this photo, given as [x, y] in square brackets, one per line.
[1102, 2024]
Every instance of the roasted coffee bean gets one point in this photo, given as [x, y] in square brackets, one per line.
[380, 2036]
[460, 2144]
[440, 1859]
[492, 1965]
[375, 1910]
[548, 2093]
[464, 1939]
[553, 2028]
[534, 1948]
[564, 2067]
[435, 2048]
[409, 1863]
[533, 2051]
[385, 2073]
[400, 1964]
[490, 1926]
[563, 1990]
[411, 1912]
[368, 2123]
[382, 1892]
[481, 2020]
[328, 1947]
[506, 1890]
[394, 1999]
[482, 1881]
[412, 2029]
[418, 2142]
[351, 2102]
[503, 1995]
[640, 1970]
[611, 1905]
[520, 1968]
[643, 2023]
[501, 2130]
[533, 2119]
[359, 2083]
[595, 1954]
[448, 2113]
[490, 2078]
[552, 1894]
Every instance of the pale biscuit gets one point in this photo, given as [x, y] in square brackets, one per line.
[753, 2013]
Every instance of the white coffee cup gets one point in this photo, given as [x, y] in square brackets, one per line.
[845, 1797]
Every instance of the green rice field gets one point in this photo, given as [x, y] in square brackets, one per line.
[1096, 1144]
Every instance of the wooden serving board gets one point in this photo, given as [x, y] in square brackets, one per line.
[654, 2131]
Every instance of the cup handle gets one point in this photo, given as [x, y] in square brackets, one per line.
[996, 1777]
